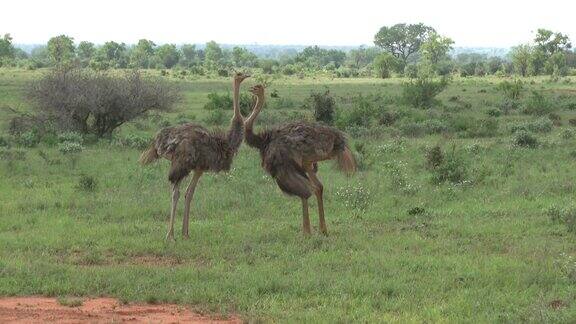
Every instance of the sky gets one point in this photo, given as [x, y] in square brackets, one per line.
[480, 23]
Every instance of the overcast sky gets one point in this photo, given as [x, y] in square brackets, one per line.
[484, 23]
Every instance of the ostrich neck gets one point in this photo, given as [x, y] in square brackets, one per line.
[252, 139]
[236, 131]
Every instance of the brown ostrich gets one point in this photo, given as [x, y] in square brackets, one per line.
[193, 147]
[290, 154]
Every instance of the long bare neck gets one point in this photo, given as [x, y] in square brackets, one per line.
[236, 131]
[254, 140]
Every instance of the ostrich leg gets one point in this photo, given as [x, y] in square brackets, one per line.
[318, 191]
[175, 196]
[305, 217]
[187, 200]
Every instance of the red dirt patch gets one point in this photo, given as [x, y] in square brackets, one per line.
[97, 310]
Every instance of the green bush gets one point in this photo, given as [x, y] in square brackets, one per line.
[135, 141]
[324, 106]
[422, 91]
[28, 139]
[542, 125]
[215, 117]
[537, 104]
[512, 90]
[452, 169]
[70, 147]
[494, 112]
[73, 137]
[523, 138]
[87, 183]
[434, 157]
[224, 102]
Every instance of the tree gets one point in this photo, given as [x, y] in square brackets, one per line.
[168, 55]
[316, 57]
[241, 57]
[520, 56]
[61, 49]
[361, 57]
[85, 53]
[550, 42]
[384, 64]
[189, 56]
[436, 48]
[142, 53]
[110, 55]
[6, 47]
[403, 40]
[212, 55]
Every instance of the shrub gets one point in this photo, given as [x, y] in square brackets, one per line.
[555, 118]
[87, 183]
[422, 91]
[355, 197]
[224, 102]
[28, 139]
[4, 142]
[486, 127]
[434, 157]
[512, 90]
[323, 105]
[135, 141]
[494, 112]
[572, 121]
[70, 148]
[537, 104]
[453, 169]
[542, 125]
[525, 139]
[215, 117]
[96, 102]
[73, 137]
[361, 113]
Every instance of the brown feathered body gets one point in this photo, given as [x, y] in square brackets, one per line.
[193, 147]
[290, 150]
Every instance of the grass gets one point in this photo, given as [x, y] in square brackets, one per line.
[401, 248]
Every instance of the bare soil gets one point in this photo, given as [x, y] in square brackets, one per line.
[98, 310]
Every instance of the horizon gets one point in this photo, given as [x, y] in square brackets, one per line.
[319, 24]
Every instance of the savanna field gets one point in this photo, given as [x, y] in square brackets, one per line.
[464, 211]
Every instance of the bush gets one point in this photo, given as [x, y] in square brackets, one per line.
[96, 102]
[70, 148]
[542, 125]
[486, 127]
[434, 157]
[361, 113]
[524, 139]
[323, 105]
[453, 169]
[73, 137]
[537, 104]
[512, 90]
[87, 183]
[28, 139]
[135, 141]
[422, 91]
[216, 117]
[224, 102]
[355, 197]
[494, 112]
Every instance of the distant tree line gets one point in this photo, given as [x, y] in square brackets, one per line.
[401, 49]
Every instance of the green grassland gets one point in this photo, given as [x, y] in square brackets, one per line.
[497, 247]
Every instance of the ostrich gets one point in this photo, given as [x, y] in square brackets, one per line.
[192, 147]
[290, 154]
